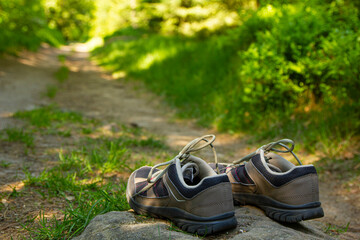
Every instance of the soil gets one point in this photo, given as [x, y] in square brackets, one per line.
[95, 93]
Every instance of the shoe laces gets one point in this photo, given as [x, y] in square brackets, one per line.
[183, 156]
[272, 147]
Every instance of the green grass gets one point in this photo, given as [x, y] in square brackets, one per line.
[87, 130]
[90, 175]
[342, 169]
[89, 200]
[19, 135]
[49, 115]
[336, 230]
[155, 59]
[62, 74]
[51, 91]
[80, 174]
[61, 58]
[4, 164]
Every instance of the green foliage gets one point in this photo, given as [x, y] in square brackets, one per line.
[72, 18]
[288, 70]
[28, 23]
[23, 25]
[303, 68]
[301, 55]
[195, 18]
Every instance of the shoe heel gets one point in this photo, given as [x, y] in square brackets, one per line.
[292, 215]
[199, 225]
[205, 227]
[280, 211]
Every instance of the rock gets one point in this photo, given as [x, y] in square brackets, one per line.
[123, 225]
[252, 224]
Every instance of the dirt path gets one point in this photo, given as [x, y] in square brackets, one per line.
[94, 93]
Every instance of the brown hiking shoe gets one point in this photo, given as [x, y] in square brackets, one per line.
[287, 193]
[187, 191]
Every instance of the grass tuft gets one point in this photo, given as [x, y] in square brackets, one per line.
[46, 116]
[19, 135]
[62, 74]
[51, 91]
[4, 164]
[336, 230]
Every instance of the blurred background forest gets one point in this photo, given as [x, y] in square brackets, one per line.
[270, 69]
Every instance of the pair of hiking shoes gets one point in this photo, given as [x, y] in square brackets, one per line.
[199, 197]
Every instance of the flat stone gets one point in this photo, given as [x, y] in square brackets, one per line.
[252, 224]
[123, 225]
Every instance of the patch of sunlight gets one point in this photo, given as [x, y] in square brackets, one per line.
[195, 11]
[92, 180]
[179, 140]
[267, 12]
[6, 114]
[156, 56]
[109, 130]
[28, 61]
[306, 158]
[10, 186]
[86, 47]
[107, 18]
[211, 21]
[186, 29]
[119, 74]
[50, 4]
[115, 53]
[53, 151]
[50, 213]
[220, 19]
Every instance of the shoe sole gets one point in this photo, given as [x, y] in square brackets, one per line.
[280, 211]
[186, 221]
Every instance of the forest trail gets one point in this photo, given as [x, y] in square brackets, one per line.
[96, 94]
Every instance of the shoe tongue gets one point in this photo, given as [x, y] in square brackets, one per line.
[274, 168]
[278, 163]
[188, 175]
[271, 166]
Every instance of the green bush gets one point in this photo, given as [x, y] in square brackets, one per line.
[290, 70]
[308, 56]
[73, 18]
[23, 25]
[200, 18]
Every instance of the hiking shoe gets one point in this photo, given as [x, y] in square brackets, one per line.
[188, 192]
[287, 193]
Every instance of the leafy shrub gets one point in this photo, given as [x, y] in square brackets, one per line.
[195, 18]
[23, 24]
[306, 56]
[72, 18]
[288, 70]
